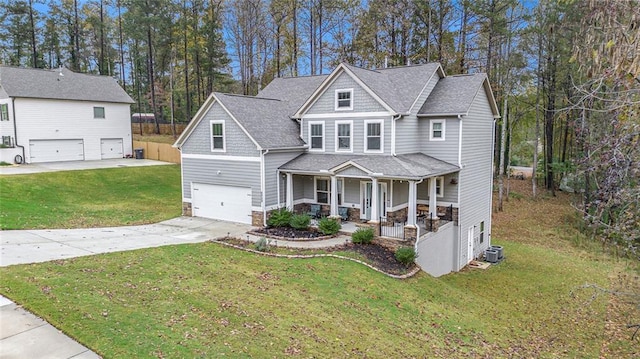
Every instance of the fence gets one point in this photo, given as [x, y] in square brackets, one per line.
[150, 128]
[158, 151]
[391, 229]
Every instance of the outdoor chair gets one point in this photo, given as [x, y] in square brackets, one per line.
[315, 211]
[344, 213]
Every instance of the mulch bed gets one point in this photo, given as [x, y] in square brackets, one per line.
[289, 233]
[376, 255]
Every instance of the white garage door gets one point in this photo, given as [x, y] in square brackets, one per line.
[56, 150]
[111, 148]
[226, 203]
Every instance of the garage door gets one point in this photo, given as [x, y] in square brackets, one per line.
[111, 148]
[56, 150]
[226, 203]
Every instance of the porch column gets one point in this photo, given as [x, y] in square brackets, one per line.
[433, 210]
[374, 200]
[289, 194]
[413, 198]
[334, 196]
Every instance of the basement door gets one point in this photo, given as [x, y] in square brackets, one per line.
[227, 203]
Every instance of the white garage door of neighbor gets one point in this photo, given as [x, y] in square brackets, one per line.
[111, 148]
[56, 150]
[226, 203]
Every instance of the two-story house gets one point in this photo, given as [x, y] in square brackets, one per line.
[49, 115]
[406, 144]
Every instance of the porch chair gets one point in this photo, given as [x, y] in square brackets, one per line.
[315, 211]
[344, 213]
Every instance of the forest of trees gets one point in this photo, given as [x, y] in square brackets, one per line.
[566, 74]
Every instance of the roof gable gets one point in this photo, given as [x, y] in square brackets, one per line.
[61, 84]
[454, 95]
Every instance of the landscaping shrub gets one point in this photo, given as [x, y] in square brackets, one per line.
[300, 221]
[280, 218]
[406, 255]
[262, 245]
[362, 236]
[328, 226]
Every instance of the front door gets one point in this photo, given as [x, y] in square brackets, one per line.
[366, 189]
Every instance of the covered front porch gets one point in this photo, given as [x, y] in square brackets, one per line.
[399, 196]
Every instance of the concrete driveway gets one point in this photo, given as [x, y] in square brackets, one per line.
[42, 245]
[22, 334]
[77, 165]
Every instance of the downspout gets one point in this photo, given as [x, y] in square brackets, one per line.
[278, 186]
[263, 187]
[394, 118]
[493, 138]
[457, 261]
[15, 128]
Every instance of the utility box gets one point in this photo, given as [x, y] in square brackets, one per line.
[491, 255]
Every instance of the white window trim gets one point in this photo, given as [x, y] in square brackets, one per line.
[315, 189]
[431, 122]
[224, 136]
[350, 108]
[350, 123]
[324, 137]
[366, 149]
[440, 193]
[4, 112]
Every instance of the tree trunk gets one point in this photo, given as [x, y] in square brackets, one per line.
[152, 80]
[124, 85]
[34, 51]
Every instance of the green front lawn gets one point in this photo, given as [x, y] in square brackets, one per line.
[92, 198]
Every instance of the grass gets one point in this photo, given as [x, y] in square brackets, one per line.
[155, 138]
[95, 198]
[207, 300]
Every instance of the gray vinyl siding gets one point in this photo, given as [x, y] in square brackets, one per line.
[272, 161]
[237, 143]
[352, 191]
[298, 187]
[476, 175]
[362, 101]
[353, 172]
[358, 133]
[232, 173]
[450, 190]
[446, 150]
[400, 194]
[408, 131]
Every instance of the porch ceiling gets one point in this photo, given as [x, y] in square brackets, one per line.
[408, 166]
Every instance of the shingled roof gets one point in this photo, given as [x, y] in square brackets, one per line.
[453, 95]
[61, 85]
[399, 86]
[414, 165]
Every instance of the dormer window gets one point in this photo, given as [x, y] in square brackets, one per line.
[344, 99]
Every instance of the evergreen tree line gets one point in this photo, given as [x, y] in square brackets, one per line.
[565, 74]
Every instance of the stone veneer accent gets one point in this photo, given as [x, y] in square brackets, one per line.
[256, 219]
[410, 233]
[398, 216]
[186, 209]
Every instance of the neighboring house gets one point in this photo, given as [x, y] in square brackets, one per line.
[403, 144]
[60, 115]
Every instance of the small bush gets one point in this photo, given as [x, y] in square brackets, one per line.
[262, 245]
[362, 235]
[280, 218]
[300, 221]
[328, 226]
[406, 255]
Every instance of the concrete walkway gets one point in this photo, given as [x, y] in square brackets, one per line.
[23, 335]
[77, 165]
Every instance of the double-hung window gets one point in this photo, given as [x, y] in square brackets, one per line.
[343, 136]
[436, 130]
[98, 112]
[440, 186]
[316, 136]
[373, 136]
[344, 99]
[4, 112]
[217, 136]
[323, 190]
